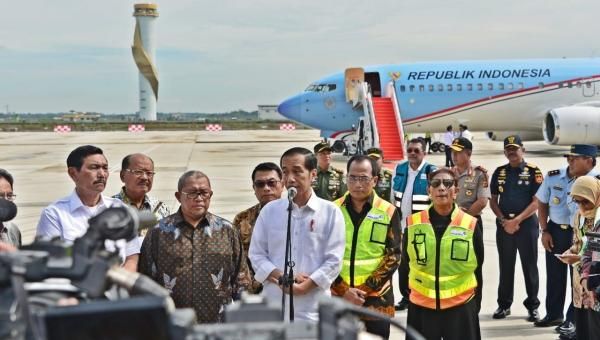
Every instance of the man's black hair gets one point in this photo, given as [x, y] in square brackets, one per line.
[310, 161]
[267, 166]
[362, 158]
[7, 176]
[76, 157]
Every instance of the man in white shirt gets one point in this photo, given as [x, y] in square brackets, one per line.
[448, 138]
[464, 132]
[317, 240]
[68, 217]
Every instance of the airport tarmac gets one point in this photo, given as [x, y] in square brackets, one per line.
[38, 162]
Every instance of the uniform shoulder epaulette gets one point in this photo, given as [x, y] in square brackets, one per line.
[481, 168]
[531, 165]
[553, 172]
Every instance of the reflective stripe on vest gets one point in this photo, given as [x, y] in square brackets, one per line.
[457, 262]
[371, 240]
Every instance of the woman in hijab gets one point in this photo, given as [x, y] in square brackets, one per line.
[586, 194]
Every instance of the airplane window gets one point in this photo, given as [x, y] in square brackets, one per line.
[402, 88]
[500, 86]
[421, 88]
[479, 87]
[440, 87]
[490, 86]
[541, 85]
[510, 86]
[430, 88]
[412, 88]
[449, 87]
[469, 87]
[458, 87]
[521, 86]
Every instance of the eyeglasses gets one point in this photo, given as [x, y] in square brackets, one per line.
[411, 150]
[360, 179]
[436, 182]
[9, 196]
[140, 173]
[272, 183]
[193, 195]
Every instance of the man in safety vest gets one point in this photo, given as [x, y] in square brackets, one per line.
[442, 255]
[409, 189]
[372, 251]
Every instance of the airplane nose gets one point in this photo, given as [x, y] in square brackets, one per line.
[291, 108]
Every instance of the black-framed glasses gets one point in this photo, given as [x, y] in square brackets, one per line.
[270, 183]
[140, 173]
[9, 196]
[193, 195]
[413, 150]
[358, 179]
[436, 182]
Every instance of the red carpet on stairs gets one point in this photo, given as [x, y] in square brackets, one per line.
[389, 139]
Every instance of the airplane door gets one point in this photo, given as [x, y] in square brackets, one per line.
[374, 82]
[353, 78]
[589, 88]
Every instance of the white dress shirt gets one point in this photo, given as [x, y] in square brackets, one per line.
[406, 203]
[68, 218]
[318, 240]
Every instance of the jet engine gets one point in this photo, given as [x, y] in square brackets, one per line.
[572, 125]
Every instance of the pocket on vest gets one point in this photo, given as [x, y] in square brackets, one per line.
[379, 232]
[460, 250]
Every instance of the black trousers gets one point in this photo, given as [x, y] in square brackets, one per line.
[448, 152]
[557, 272]
[581, 323]
[525, 241]
[479, 224]
[378, 327]
[593, 318]
[458, 323]
[427, 144]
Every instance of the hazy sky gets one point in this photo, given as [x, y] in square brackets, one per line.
[214, 56]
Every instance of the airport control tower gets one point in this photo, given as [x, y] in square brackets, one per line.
[143, 50]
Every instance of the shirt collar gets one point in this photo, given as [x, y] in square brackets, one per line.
[123, 196]
[313, 202]
[75, 202]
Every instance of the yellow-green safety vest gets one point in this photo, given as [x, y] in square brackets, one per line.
[371, 240]
[456, 264]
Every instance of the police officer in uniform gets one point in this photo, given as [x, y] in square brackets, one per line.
[384, 184]
[473, 185]
[556, 211]
[329, 183]
[513, 188]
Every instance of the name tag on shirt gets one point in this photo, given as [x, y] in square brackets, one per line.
[424, 176]
[457, 232]
[374, 216]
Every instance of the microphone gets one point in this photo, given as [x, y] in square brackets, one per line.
[292, 192]
[8, 210]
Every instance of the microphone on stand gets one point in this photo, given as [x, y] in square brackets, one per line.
[292, 192]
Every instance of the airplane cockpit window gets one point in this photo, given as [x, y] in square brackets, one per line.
[320, 87]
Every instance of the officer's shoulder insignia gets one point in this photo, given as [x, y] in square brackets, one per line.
[532, 166]
[481, 168]
[553, 172]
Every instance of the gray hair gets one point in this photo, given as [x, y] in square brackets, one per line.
[188, 174]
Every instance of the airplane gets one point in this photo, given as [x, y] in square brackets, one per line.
[557, 100]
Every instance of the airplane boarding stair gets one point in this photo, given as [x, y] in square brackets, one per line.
[390, 140]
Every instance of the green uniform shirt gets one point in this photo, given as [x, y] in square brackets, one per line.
[384, 184]
[329, 184]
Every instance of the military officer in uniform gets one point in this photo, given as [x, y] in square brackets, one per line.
[556, 211]
[384, 184]
[329, 183]
[513, 188]
[473, 185]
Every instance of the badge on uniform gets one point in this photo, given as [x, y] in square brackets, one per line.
[469, 193]
[555, 200]
[539, 178]
[501, 189]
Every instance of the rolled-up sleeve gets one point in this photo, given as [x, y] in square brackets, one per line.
[259, 250]
[333, 249]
